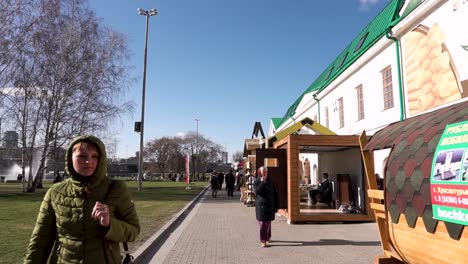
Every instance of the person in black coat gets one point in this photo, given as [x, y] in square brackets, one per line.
[221, 180]
[324, 191]
[214, 185]
[230, 180]
[266, 204]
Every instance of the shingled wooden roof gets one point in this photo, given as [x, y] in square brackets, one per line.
[408, 170]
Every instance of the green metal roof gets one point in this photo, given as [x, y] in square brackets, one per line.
[411, 6]
[291, 110]
[276, 121]
[374, 31]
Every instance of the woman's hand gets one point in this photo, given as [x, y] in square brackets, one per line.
[101, 214]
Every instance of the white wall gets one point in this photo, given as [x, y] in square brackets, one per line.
[343, 162]
[379, 157]
[313, 159]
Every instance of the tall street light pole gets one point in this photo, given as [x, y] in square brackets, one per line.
[147, 14]
[196, 150]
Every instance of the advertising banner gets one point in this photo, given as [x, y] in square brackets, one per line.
[435, 58]
[449, 177]
[187, 171]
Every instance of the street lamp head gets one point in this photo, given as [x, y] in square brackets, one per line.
[153, 12]
[142, 12]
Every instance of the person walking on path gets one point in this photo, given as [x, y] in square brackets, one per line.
[266, 204]
[214, 185]
[230, 181]
[240, 181]
[84, 218]
[221, 179]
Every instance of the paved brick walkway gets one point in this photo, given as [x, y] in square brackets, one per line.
[223, 230]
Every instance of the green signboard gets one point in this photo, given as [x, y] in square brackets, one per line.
[449, 177]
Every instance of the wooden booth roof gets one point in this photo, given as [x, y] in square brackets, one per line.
[408, 170]
[306, 122]
[251, 145]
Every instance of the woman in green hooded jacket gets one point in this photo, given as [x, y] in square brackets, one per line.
[84, 218]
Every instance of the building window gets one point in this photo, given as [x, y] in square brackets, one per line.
[327, 120]
[343, 60]
[387, 87]
[360, 102]
[329, 73]
[361, 41]
[341, 112]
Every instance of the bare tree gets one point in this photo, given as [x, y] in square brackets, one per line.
[237, 156]
[23, 101]
[16, 19]
[210, 152]
[176, 161]
[169, 153]
[73, 73]
[161, 150]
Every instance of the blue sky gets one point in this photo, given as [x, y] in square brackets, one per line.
[228, 63]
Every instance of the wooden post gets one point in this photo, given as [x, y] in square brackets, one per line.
[293, 182]
[376, 196]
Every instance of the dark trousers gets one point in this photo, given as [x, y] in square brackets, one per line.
[230, 190]
[265, 230]
[313, 195]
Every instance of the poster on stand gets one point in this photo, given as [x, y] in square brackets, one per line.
[449, 177]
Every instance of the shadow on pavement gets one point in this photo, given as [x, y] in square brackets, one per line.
[222, 197]
[322, 242]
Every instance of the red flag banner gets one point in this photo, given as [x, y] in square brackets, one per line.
[187, 171]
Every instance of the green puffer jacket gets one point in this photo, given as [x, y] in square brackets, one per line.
[65, 230]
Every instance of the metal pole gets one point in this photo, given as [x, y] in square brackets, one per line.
[140, 162]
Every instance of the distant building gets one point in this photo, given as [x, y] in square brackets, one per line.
[10, 139]
[123, 167]
[224, 157]
[219, 167]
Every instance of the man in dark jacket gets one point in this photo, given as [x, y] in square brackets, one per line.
[83, 219]
[221, 180]
[214, 184]
[324, 191]
[230, 180]
[266, 204]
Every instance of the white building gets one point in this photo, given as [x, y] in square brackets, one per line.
[412, 58]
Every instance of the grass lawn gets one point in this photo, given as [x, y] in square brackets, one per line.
[155, 205]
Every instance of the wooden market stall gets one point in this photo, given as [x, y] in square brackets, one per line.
[409, 230]
[337, 155]
[341, 157]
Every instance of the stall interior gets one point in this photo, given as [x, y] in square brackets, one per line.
[331, 180]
